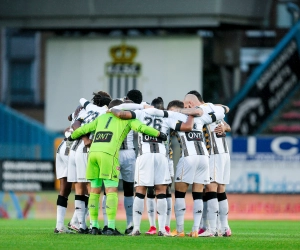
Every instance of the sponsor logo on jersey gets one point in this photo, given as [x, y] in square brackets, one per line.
[194, 136]
[148, 138]
[103, 136]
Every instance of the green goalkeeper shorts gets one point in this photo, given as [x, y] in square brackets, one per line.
[103, 166]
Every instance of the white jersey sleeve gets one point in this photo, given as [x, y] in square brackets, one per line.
[177, 116]
[88, 106]
[164, 113]
[212, 113]
[129, 106]
[155, 112]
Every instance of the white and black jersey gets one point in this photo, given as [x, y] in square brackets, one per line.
[148, 144]
[92, 112]
[193, 142]
[128, 141]
[82, 113]
[215, 144]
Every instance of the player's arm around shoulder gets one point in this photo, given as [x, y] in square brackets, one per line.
[190, 111]
[188, 125]
[227, 127]
[178, 125]
[87, 128]
[122, 114]
[138, 126]
[226, 108]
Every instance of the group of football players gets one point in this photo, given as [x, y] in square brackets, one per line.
[204, 163]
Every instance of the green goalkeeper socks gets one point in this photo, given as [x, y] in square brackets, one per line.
[111, 209]
[94, 208]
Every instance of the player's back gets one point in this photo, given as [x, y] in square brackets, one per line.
[192, 142]
[110, 133]
[149, 144]
[215, 144]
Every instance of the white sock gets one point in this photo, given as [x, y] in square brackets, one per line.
[151, 208]
[60, 216]
[74, 219]
[203, 223]
[197, 213]
[87, 214]
[80, 211]
[212, 213]
[105, 220]
[223, 214]
[169, 211]
[179, 213]
[128, 204]
[138, 208]
[161, 211]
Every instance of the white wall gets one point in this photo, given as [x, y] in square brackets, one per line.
[75, 67]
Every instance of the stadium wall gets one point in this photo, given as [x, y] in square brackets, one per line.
[158, 66]
[264, 183]
[42, 205]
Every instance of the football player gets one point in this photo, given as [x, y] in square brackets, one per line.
[219, 169]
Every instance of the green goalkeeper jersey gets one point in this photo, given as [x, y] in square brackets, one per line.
[110, 131]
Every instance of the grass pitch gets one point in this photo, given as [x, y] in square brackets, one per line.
[38, 234]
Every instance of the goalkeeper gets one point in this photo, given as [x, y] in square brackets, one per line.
[103, 164]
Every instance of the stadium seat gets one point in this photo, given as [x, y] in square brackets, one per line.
[291, 115]
[294, 129]
[296, 103]
[280, 128]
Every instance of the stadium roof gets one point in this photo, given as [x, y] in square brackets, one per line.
[112, 14]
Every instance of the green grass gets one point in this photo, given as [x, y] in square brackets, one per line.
[38, 234]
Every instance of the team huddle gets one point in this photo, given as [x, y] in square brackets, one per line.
[98, 151]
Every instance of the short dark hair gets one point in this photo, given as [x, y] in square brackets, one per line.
[135, 96]
[102, 93]
[128, 101]
[114, 102]
[101, 101]
[158, 103]
[175, 103]
[197, 94]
